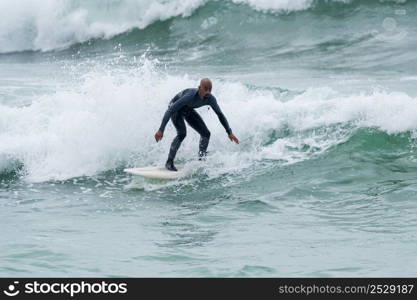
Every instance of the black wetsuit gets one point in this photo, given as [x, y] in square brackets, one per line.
[182, 107]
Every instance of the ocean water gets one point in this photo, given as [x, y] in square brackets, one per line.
[322, 95]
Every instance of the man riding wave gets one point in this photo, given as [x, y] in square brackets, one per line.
[181, 108]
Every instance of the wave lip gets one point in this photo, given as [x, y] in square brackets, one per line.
[44, 25]
[49, 24]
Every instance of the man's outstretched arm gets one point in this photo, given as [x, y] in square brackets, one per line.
[223, 120]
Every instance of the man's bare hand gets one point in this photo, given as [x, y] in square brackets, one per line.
[158, 135]
[233, 138]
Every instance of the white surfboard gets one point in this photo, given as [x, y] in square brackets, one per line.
[158, 172]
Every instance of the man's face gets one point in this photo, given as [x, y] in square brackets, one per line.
[205, 91]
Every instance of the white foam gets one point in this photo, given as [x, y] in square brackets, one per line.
[109, 121]
[282, 5]
[54, 24]
[49, 24]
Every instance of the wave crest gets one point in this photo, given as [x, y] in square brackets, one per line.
[49, 24]
[108, 121]
[43, 25]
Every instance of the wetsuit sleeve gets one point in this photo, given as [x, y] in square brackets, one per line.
[173, 107]
[220, 115]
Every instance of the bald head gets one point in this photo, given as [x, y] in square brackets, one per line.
[205, 82]
[204, 89]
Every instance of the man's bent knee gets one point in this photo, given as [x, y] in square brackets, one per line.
[181, 136]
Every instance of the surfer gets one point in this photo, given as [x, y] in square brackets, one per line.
[182, 107]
